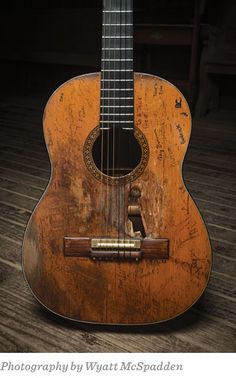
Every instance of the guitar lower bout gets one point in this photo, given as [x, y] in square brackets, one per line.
[117, 248]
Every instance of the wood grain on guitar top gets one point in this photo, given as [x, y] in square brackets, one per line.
[76, 204]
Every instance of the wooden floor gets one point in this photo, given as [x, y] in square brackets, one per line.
[209, 173]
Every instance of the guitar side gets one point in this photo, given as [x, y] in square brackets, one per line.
[113, 292]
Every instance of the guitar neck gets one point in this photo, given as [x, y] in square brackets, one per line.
[117, 97]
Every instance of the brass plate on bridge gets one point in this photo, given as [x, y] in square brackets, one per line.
[116, 244]
[106, 249]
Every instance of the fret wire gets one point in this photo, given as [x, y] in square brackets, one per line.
[117, 11]
[117, 48]
[117, 24]
[116, 98]
[119, 89]
[118, 106]
[109, 121]
[117, 60]
[117, 37]
[117, 114]
[122, 85]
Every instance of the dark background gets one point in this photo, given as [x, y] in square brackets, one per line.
[192, 44]
[44, 43]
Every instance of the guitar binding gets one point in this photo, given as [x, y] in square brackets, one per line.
[133, 175]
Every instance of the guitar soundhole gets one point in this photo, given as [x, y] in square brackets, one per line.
[116, 153]
[116, 158]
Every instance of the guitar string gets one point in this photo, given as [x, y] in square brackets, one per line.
[114, 111]
[102, 108]
[119, 125]
[125, 117]
[132, 84]
[117, 44]
[125, 45]
[124, 113]
[108, 112]
[129, 20]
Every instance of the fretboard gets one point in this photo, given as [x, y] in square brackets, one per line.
[117, 97]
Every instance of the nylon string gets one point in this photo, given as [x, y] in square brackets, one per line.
[108, 112]
[102, 109]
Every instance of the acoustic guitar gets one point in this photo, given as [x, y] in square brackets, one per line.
[116, 237]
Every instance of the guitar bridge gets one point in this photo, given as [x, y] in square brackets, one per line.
[116, 249]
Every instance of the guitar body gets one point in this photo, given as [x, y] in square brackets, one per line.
[76, 203]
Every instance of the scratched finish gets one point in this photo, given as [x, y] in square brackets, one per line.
[77, 204]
